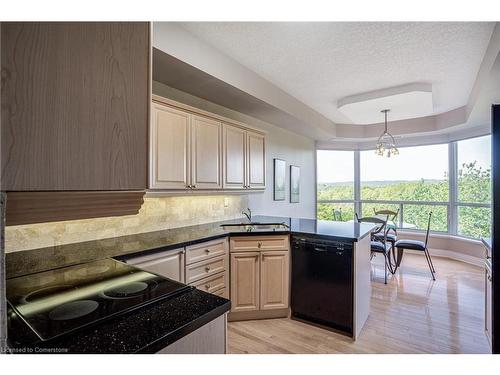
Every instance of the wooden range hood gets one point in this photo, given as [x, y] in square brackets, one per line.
[41, 206]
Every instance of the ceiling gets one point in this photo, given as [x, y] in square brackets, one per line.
[322, 63]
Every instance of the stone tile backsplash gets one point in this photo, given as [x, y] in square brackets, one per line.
[155, 214]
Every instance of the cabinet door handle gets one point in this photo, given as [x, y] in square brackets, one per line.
[193, 186]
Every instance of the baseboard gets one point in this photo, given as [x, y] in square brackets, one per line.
[259, 314]
[476, 261]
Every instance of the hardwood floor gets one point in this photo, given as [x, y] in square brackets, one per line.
[411, 314]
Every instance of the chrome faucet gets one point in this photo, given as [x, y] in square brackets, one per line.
[248, 214]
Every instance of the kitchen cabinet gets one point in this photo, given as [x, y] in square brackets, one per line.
[210, 338]
[207, 266]
[206, 151]
[186, 150]
[75, 105]
[244, 159]
[260, 272]
[245, 281]
[170, 148]
[234, 141]
[488, 298]
[196, 150]
[256, 163]
[274, 280]
[168, 263]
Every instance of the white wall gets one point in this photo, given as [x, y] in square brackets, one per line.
[280, 143]
[295, 150]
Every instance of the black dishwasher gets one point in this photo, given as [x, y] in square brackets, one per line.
[322, 282]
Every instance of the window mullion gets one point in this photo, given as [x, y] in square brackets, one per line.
[453, 188]
[357, 184]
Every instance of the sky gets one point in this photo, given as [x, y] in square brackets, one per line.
[412, 163]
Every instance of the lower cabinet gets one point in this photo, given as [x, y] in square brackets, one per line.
[208, 339]
[169, 263]
[260, 283]
[274, 276]
[207, 266]
[245, 281]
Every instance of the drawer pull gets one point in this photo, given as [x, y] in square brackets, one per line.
[207, 269]
[259, 245]
[207, 251]
[207, 286]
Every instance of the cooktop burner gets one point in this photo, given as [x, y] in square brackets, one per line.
[84, 294]
[132, 289]
[73, 310]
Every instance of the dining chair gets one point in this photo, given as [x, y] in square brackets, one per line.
[391, 237]
[419, 246]
[337, 214]
[379, 244]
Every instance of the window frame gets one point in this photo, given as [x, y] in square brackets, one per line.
[452, 204]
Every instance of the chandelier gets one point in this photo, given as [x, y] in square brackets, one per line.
[385, 143]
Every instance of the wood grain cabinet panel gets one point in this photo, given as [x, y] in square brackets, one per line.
[170, 148]
[212, 284]
[234, 141]
[256, 162]
[169, 264]
[275, 272]
[206, 250]
[200, 270]
[75, 105]
[245, 281]
[206, 153]
[253, 243]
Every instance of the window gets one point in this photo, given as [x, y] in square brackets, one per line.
[474, 187]
[416, 174]
[335, 170]
[451, 180]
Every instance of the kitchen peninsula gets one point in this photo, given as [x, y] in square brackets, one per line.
[192, 239]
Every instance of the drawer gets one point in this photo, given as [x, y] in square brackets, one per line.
[222, 293]
[212, 284]
[205, 250]
[168, 264]
[200, 270]
[255, 243]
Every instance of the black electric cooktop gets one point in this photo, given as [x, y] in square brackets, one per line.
[59, 301]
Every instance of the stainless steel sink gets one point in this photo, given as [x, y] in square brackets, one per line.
[248, 227]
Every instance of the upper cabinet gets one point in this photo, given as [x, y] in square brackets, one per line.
[170, 148]
[191, 150]
[235, 157]
[75, 105]
[256, 161]
[206, 153]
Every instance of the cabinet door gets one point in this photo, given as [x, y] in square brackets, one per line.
[256, 161]
[169, 264]
[75, 105]
[245, 275]
[274, 280]
[170, 148]
[234, 140]
[206, 153]
[488, 300]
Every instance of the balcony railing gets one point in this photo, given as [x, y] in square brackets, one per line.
[445, 213]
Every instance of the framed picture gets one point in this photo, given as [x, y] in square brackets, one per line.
[279, 179]
[294, 184]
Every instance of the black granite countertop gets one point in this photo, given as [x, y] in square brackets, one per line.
[30, 261]
[144, 330]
